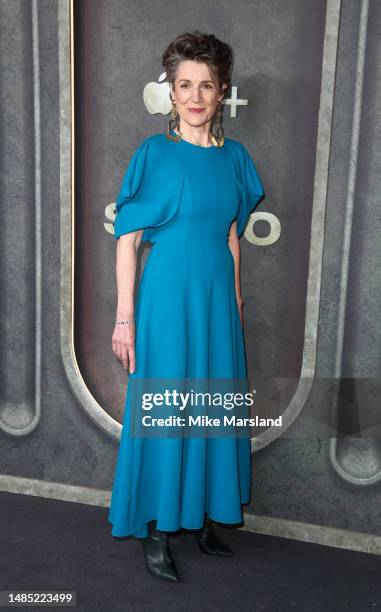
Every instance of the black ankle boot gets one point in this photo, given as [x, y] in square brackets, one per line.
[210, 543]
[158, 556]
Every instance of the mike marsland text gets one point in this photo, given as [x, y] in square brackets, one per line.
[206, 421]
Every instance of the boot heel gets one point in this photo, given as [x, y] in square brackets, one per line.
[210, 543]
[158, 556]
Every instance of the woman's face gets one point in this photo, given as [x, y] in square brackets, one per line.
[195, 88]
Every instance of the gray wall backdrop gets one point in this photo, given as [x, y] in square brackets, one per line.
[310, 75]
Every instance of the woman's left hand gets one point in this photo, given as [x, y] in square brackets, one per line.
[240, 309]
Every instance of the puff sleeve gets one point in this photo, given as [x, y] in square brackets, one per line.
[147, 199]
[252, 191]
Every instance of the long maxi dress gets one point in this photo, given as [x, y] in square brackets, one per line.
[185, 197]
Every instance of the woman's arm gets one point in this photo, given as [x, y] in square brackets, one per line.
[123, 338]
[236, 252]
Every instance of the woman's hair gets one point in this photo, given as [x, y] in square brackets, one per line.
[200, 47]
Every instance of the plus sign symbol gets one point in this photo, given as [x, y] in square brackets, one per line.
[233, 102]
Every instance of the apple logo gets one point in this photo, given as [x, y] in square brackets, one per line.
[156, 96]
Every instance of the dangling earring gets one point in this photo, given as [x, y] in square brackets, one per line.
[218, 136]
[174, 123]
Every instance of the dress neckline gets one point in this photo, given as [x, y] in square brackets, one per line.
[191, 144]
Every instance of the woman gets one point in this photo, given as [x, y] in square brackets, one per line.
[190, 192]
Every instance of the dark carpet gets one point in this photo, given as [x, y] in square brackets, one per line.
[53, 545]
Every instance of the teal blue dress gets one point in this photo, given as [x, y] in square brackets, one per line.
[185, 197]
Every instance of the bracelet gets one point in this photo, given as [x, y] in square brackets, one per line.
[126, 322]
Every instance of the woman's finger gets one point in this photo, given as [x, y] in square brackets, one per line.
[125, 356]
[132, 359]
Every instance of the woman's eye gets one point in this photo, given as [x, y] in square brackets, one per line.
[186, 85]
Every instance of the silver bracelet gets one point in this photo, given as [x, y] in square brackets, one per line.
[126, 322]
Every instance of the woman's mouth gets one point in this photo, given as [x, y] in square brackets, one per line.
[196, 110]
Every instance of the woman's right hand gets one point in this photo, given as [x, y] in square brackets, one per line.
[123, 345]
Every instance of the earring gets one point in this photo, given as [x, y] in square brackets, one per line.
[218, 136]
[174, 123]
